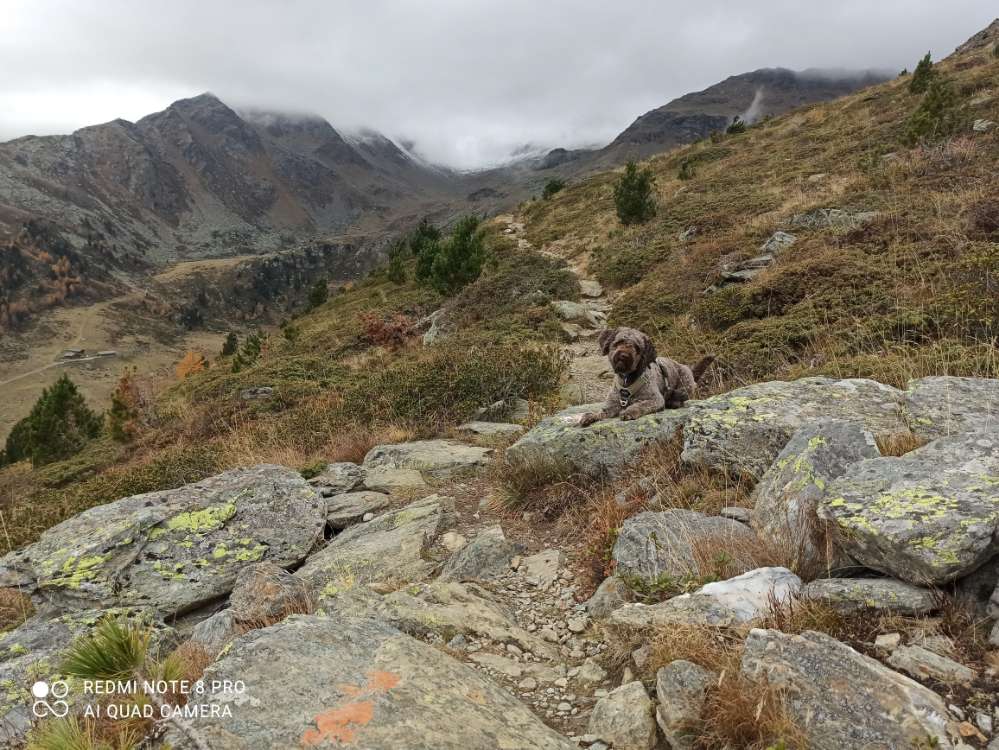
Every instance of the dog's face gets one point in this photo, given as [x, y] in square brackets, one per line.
[627, 349]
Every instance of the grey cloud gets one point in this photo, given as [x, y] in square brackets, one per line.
[468, 81]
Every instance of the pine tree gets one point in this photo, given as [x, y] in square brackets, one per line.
[553, 186]
[59, 425]
[396, 264]
[124, 411]
[460, 259]
[633, 195]
[319, 294]
[249, 353]
[923, 75]
[425, 244]
[231, 345]
[938, 115]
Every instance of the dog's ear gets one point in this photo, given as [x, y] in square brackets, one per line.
[605, 339]
[647, 355]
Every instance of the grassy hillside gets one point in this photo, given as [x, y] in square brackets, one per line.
[347, 375]
[912, 292]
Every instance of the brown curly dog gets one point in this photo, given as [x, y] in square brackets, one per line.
[644, 383]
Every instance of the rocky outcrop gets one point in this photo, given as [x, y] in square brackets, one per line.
[264, 593]
[927, 517]
[939, 406]
[660, 550]
[743, 431]
[600, 449]
[174, 550]
[789, 492]
[358, 682]
[841, 698]
[391, 546]
[338, 478]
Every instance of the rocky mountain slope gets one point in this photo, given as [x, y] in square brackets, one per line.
[691, 117]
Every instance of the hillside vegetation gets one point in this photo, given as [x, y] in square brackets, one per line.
[908, 290]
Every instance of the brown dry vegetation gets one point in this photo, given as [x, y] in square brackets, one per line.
[914, 292]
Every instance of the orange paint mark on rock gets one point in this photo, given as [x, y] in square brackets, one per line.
[339, 724]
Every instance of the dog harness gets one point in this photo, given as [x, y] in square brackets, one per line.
[625, 393]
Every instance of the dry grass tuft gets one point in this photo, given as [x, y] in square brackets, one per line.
[737, 712]
[193, 659]
[899, 443]
[15, 608]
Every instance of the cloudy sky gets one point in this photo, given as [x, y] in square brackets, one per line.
[467, 80]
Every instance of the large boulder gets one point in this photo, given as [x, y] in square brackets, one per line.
[927, 517]
[744, 430]
[356, 683]
[176, 549]
[728, 603]
[338, 478]
[789, 492]
[435, 459]
[662, 550]
[600, 449]
[843, 699]
[392, 546]
[939, 406]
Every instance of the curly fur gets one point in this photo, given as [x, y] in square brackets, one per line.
[655, 382]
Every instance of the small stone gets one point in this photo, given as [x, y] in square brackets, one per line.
[984, 722]
[562, 682]
[514, 649]
[888, 641]
[958, 713]
[577, 624]
[528, 683]
[367, 517]
[590, 673]
[457, 643]
[564, 707]
[742, 515]
[624, 718]
[453, 541]
[549, 635]
[627, 676]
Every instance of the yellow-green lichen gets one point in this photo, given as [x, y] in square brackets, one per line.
[76, 571]
[202, 521]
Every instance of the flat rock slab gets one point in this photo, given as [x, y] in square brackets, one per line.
[351, 507]
[359, 683]
[657, 549]
[491, 429]
[923, 663]
[176, 549]
[681, 687]
[850, 595]
[789, 492]
[927, 517]
[389, 547]
[603, 448]
[939, 406]
[843, 699]
[445, 609]
[744, 430]
[436, 459]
